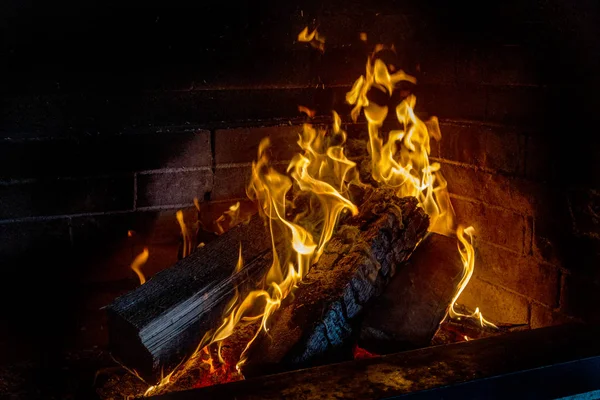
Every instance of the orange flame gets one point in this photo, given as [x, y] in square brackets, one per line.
[323, 174]
[234, 218]
[185, 234]
[307, 111]
[402, 161]
[313, 38]
[138, 263]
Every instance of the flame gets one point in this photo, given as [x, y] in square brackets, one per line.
[234, 218]
[467, 255]
[313, 38]
[363, 36]
[402, 160]
[319, 177]
[323, 173]
[187, 240]
[138, 262]
[310, 113]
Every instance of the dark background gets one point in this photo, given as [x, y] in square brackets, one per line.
[87, 72]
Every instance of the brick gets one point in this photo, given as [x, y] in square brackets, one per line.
[150, 227]
[517, 105]
[585, 210]
[580, 298]
[470, 65]
[438, 65]
[241, 145]
[231, 182]
[66, 196]
[78, 114]
[105, 154]
[498, 226]
[496, 304]
[168, 188]
[19, 238]
[521, 274]
[511, 65]
[496, 65]
[581, 256]
[486, 146]
[542, 316]
[449, 101]
[539, 163]
[496, 189]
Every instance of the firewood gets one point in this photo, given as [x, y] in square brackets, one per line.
[363, 254]
[154, 327]
[409, 312]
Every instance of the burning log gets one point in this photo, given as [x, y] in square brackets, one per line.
[357, 262]
[409, 312]
[157, 325]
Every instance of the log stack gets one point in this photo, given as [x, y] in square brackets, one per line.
[319, 324]
[156, 326]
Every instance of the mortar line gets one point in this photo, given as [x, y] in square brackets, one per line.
[213, 163]
[493, 206]
[512, 291]
[135, 193]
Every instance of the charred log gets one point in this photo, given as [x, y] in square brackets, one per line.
[361, 257]
[409, 312]
[156, 325]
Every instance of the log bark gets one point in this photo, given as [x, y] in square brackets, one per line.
[363, 254]
[156, 325]
[409, 312]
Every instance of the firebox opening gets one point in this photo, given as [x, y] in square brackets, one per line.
[132, 139]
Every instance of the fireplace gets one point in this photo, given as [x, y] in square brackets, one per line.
[102, 144]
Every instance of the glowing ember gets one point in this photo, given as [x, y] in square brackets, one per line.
[138, 263]
[359, 353]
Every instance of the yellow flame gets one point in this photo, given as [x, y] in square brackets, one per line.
[185, 234]
[138, 263]
[321, 175]
[234, 218]
[313, 38]
[402, 160]
[164, 380]
[467, 255]
[363, 36]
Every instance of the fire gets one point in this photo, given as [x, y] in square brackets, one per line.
[402, 160]
[313, 38]
[303, 205]
[467, 255]
[310, 113]
[234, 218]
[185, 234]
[138, 262]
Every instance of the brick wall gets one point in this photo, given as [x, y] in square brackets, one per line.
[90, 148]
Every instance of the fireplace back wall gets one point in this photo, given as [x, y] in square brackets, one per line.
[121, 132]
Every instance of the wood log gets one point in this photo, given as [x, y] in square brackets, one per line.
[361, 256]
[409, 312]
[155, 326]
